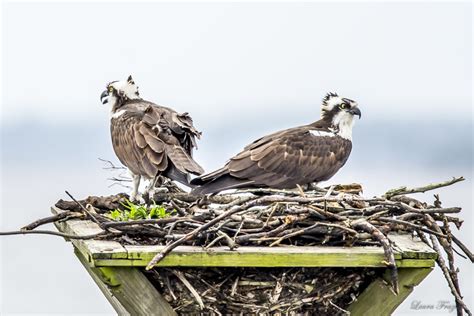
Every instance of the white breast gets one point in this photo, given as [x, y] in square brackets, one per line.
[321, 133]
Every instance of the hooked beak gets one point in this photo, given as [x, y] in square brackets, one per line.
[355, 111]
[104, 97]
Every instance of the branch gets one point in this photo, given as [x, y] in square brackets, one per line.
[47, 232]
[52, 219]
[85, 210]
[405, 190]
[447, 275]
[362, 224]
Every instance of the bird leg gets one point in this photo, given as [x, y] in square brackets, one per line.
[150, 189]
[134, 196]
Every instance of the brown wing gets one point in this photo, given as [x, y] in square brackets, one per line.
[145, 144]
[290, 157]
[133, 151]
[180, 125]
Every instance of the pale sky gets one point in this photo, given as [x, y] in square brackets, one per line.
[214, 60]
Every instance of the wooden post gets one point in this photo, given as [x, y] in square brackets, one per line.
[378, 299]
[128, 290]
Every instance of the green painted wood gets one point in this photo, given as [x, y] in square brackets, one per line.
[128, 290]
[405, 263]
[90, 249]
[263, 256]
[378, 299]
[93, 272]
[188, 256]
[415, 263]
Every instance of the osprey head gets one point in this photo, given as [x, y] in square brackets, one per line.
[117, 92]
[339, 113]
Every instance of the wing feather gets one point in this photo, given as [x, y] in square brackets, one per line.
[291, 157]
[144, 141]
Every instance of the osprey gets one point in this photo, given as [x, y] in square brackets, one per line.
[295, 156]
[150, 140]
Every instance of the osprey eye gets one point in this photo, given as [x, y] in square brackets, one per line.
[111, 89]
[343, 106]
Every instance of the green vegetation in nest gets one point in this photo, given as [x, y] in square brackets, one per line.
[133, 211]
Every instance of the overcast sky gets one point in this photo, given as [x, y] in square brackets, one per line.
[215, 59]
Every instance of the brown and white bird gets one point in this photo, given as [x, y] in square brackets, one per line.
[149, 139]
[295, 156]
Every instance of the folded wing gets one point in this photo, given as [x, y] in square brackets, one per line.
[280, 160]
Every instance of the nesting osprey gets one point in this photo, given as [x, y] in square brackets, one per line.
[296, 156]
[150, 140]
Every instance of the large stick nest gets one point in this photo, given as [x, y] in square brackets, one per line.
[336, 216]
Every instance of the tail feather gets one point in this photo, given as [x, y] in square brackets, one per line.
[175, 174]
[183, 161]
[221, 183]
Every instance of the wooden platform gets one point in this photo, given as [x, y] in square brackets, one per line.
[117, 269]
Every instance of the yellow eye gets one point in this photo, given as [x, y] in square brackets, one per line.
[111, 89]
[342, 106]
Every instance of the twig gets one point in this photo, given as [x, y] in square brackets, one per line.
[111, 165]
[379, 236]
[447, 275]
[409, 224]
[303, 230]
[48, 232]
[339, 309]
[84, 209]
[463, 248]
[193, 291]
[158, 257]
[405, 190]
[51, 219]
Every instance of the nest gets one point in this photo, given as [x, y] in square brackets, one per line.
[335, 216]
[252, 291]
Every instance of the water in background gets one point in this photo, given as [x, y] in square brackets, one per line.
[38, 167]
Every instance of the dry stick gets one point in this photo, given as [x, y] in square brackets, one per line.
[47, 232]
[111, 165]
[325, 212]
[236, 209]
[406, 207]
[230, 242]
[447, 275]
[191, 289]
[464, 248]
[441, 210]
[450, 253]
[430, 222]
[338, 308]
[52, 219]
[426, 230]
[303, 230]
[362, 224]
[84, 209]
[245, 238]
[432, 186]
[157, 221]
[447, 246]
